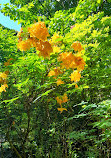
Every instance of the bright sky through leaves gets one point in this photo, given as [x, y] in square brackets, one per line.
[5, 21]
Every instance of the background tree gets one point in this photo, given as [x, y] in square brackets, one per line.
[31, 124]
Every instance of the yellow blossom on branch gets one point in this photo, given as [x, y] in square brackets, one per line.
[59, 82]
[76, 86]
[3, 88]
[75, 76]
[24, 45]
[80, 63]
[3, 75]
[55, 39]
[67, 58]
[61, 109]
[56, 49]
[51, 73]
[59, 101]
[6, 86]
[55, 72]
[70, 60]
[45, 48]
[77, 46]
[33, 41]
[64, 98]
[38, 30]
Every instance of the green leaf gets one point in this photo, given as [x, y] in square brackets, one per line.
[43, 94]
[11, 100]
[77, 116]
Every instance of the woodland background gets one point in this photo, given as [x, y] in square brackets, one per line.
[30, 124]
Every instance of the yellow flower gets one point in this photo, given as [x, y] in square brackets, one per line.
[55, 39]
[80, 63]
[61, 109]
[51, 73]
[64, 98]
[33, 41]
[2, 88]
[6, 86]
[70, 60]
[76, 86]
[55, 72]
[77, 46]
[56, 49]
[3, 75]
[24, 45]
[45, 48]
[59, 82]
[59, 101]
[67, 59]
[39, 31]
[75, 76]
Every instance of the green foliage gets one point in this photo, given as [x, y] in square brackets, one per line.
[26, 12]
[54, 5]
[7, 44]
[30, 124]
[98, 121]
[88, 7]
[61, 22]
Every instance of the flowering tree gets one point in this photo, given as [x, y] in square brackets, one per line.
[49, 105]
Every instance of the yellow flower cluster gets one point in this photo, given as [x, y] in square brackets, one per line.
[59, 82]
[24, 45]
[55, 39]
[77, 46]
[74, 61]
[55, 72]
[70, 60]
[45, 48]
[60, 100]
[79, 63]
[61, 109]
[39, 31]
[75, 76]
[3, 77]
[36, 36]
